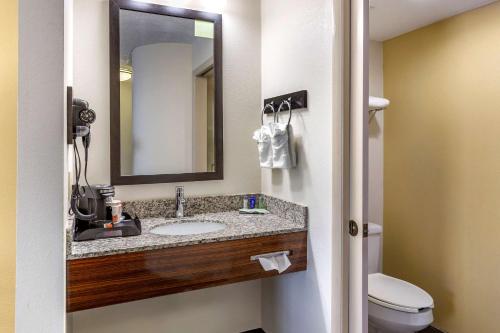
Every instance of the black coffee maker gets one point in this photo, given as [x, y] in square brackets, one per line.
[92, 202]
[93, 216]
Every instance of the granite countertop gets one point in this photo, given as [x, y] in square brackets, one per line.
[239, 226]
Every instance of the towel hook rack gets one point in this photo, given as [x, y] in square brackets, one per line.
[298, 100]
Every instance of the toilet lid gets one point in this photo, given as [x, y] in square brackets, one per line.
[397, 294]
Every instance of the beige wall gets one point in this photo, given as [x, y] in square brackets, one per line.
[8, 138]
[442, 164]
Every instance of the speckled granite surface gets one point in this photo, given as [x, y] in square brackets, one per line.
[192, 206]
[284, 217]
[213, 204]
[286, 210]
[238, 226]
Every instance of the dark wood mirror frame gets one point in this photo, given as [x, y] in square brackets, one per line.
[114, 52]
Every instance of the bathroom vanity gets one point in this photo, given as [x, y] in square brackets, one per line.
[167, 127]
[117, 270]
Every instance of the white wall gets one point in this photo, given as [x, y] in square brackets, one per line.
[226, 309]
[297, 46]
[127, 148]
[40, 277]
[68, 82]
[241, 57]
[238, 306]
[162, 103]
[376, 140]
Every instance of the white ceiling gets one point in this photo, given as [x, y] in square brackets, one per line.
[137, 29]
[391, 18]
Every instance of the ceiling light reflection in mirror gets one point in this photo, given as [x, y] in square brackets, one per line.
[215, 6]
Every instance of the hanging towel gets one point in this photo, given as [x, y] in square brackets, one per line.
[283, 146]
[282, 140]
[263, 138]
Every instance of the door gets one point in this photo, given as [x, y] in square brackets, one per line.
[358, 177]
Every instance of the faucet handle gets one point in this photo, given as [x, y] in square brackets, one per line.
[179, 195]
[179, 201]
[179, 191]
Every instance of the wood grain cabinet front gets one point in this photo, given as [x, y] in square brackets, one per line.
[100, 281]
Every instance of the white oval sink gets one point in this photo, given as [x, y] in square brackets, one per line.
[188, 228]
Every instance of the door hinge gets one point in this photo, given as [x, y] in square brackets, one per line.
[353, 228]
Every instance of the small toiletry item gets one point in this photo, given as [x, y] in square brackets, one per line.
[251, 202]
[116, 210]
[255, 211]
[245, 202]
[261, 205]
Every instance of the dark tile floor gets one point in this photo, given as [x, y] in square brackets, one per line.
[431, 330]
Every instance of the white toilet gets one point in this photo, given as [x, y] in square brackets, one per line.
[394, 305]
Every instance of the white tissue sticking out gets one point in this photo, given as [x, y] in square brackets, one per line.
[278, 262]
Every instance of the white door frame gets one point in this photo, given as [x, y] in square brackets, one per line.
[341, 123]
[355, 166]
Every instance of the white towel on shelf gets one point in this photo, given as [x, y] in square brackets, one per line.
[378, 103]
[283, 146]
[263, 138]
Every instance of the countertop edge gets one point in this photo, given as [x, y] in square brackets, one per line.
[72, 257]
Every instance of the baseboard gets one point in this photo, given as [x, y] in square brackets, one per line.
[429, 329]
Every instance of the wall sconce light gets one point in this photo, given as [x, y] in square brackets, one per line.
[125, 74]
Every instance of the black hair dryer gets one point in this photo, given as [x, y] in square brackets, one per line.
[83, 117]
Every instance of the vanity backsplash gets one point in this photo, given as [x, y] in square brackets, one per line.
[213, 204]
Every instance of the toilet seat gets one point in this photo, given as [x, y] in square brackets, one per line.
[397, 294]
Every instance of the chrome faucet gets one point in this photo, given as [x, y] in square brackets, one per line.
[179, 201]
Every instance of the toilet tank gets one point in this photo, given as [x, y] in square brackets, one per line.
[374, 247]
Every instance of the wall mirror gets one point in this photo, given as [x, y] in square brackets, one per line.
[166, 94]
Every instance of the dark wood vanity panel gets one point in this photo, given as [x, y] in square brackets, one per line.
[100, 281]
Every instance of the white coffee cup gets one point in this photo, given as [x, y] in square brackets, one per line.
[116, 210]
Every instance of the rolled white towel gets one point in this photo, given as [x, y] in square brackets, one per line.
[378, 103]
[283, 146]
[263, 138]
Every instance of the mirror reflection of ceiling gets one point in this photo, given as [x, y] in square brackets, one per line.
[137, 29]
[391, 18]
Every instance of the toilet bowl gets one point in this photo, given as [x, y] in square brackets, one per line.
[394, 305]
[397, 306]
